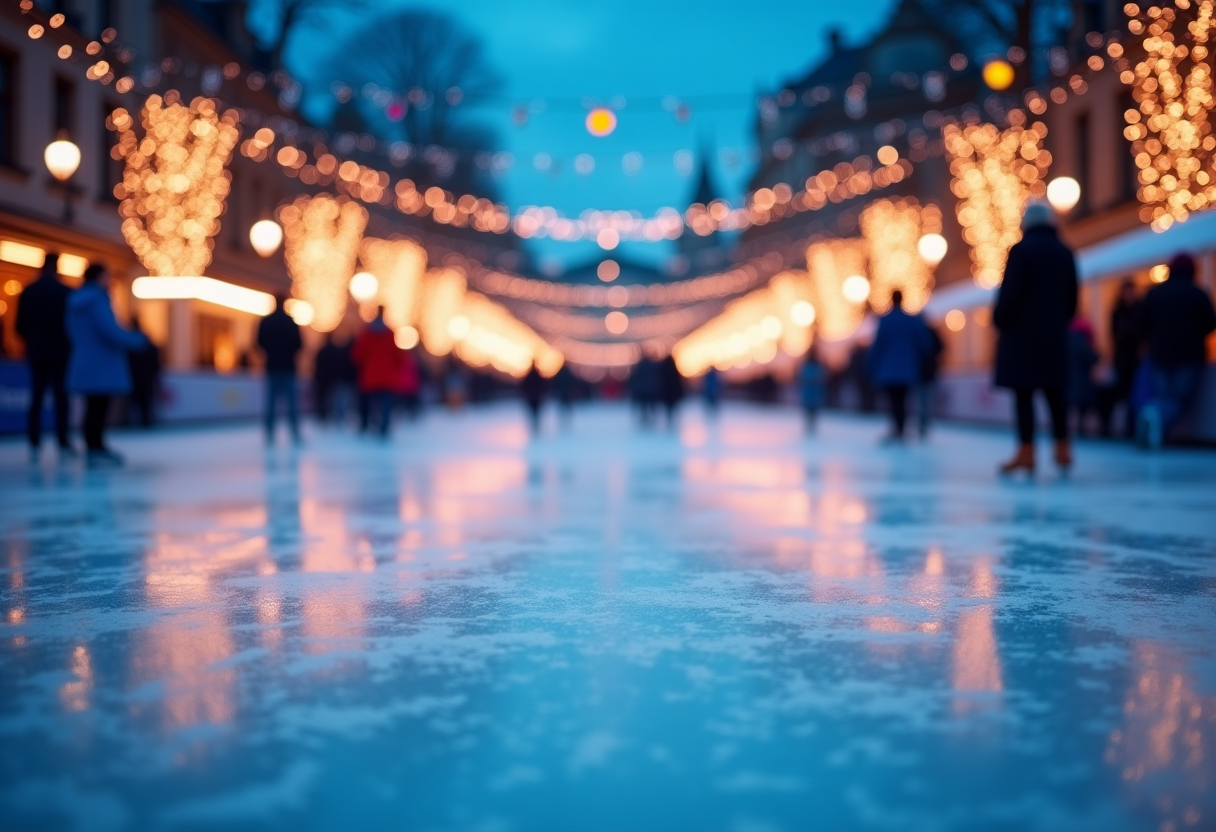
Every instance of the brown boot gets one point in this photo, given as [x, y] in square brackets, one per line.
[1023, 460]
[1063, 454]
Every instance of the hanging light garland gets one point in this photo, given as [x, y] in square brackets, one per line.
[753, 328]
[174, 184]
[832, 263]
[398, 266]
[893, 230]
[321, 236]
[1170, 131]
[994, 173]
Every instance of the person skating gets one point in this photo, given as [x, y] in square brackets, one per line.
[1177, 317]
[1036, 302]
[380, 363]
[896, 359]
[41, 312]
[811, 385]
[145, 380]
[98, 367]
[533, 388]
[280, 342]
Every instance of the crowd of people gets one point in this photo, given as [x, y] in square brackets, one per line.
[75, 345]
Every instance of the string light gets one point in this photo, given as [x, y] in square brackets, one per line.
[994, 173]
[398, 266]
[1170, 132]
[893, 229]
[322, 236]
[831, 263]
[752, 328]
[175, 184]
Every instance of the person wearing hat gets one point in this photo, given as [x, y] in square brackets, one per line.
[1034, 306]
[1176, 318]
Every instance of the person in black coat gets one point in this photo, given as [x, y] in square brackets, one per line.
[333, 372]
[533, 388]
[671, 388]
[1177, 317]
[1125, 335]
[1034, 306]
[280, 341]
[145, 379]
[41, 314]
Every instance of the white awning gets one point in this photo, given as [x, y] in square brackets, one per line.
[1132, 251]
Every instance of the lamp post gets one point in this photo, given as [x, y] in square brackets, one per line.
[266, 236]
[1063, 193]
[62, 158]
[932, 249]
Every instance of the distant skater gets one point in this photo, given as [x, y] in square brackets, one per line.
[671, 388]
[1034, 306]
[280, 341]
[896, 359]
[533, 389]
[811, 385]
[381, 365]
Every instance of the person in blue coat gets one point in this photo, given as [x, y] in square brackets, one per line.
[98, 367]
[897, 358]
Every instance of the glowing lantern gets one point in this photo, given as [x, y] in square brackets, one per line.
[932, 248]
[62, 157]
[266, 236]
[855, 288]
[322, 236]
[364, 286]
[601, 122]
[998, 75]
[1063, 193]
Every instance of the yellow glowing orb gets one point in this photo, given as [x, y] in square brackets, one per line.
[601, 121]
[998, 75]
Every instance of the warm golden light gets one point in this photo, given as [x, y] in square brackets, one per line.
[956, 319]
[998, 75]
[932, 248]
[266, 236]
[802, 313]
[21, 254]
[175, 183]
[1170, 130]
[616, 322]
[398, 266]
[601, 122]
[1063, 193]
[1159, 273]
[829, 263]
[855, 288]
[62, 158]
[322, 236]
[206, 289]
[300, 311]
[893, 229]
[364, 286]
[994, 173]
[406, 337]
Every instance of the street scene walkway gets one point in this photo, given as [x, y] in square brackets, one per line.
[727, 626]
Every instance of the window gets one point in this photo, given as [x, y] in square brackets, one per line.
[1081, 165]
[8, 108]
[65, 101]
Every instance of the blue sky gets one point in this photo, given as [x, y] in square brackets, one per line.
[635, 48]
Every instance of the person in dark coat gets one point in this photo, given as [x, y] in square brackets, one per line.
[98, 367]
[1176, 318]
[1125, 335]
[896, 359]
[671, 388]
[711, 391]
[928, 380]
[644, 389]
[280, 342]
[1036, 302]
[145, 378]
[533, 389]
[564, 384]
[1082, 357]
[333, 371]
[40, 323]
[811, 380]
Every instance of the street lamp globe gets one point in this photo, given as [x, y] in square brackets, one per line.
[855, 288]
[1063, 193]
[932, 249]
[62, 157]
[266, 236]
[364, 286]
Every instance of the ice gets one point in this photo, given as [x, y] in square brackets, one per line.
[727, 627]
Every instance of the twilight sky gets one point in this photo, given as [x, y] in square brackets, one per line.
[724, 49]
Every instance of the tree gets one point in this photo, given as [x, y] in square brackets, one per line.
[290, 14]
[1033, 26]
[427, 62]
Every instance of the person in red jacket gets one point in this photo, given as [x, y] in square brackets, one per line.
[380, 363]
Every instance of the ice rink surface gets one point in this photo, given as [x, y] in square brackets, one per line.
[726, 627]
